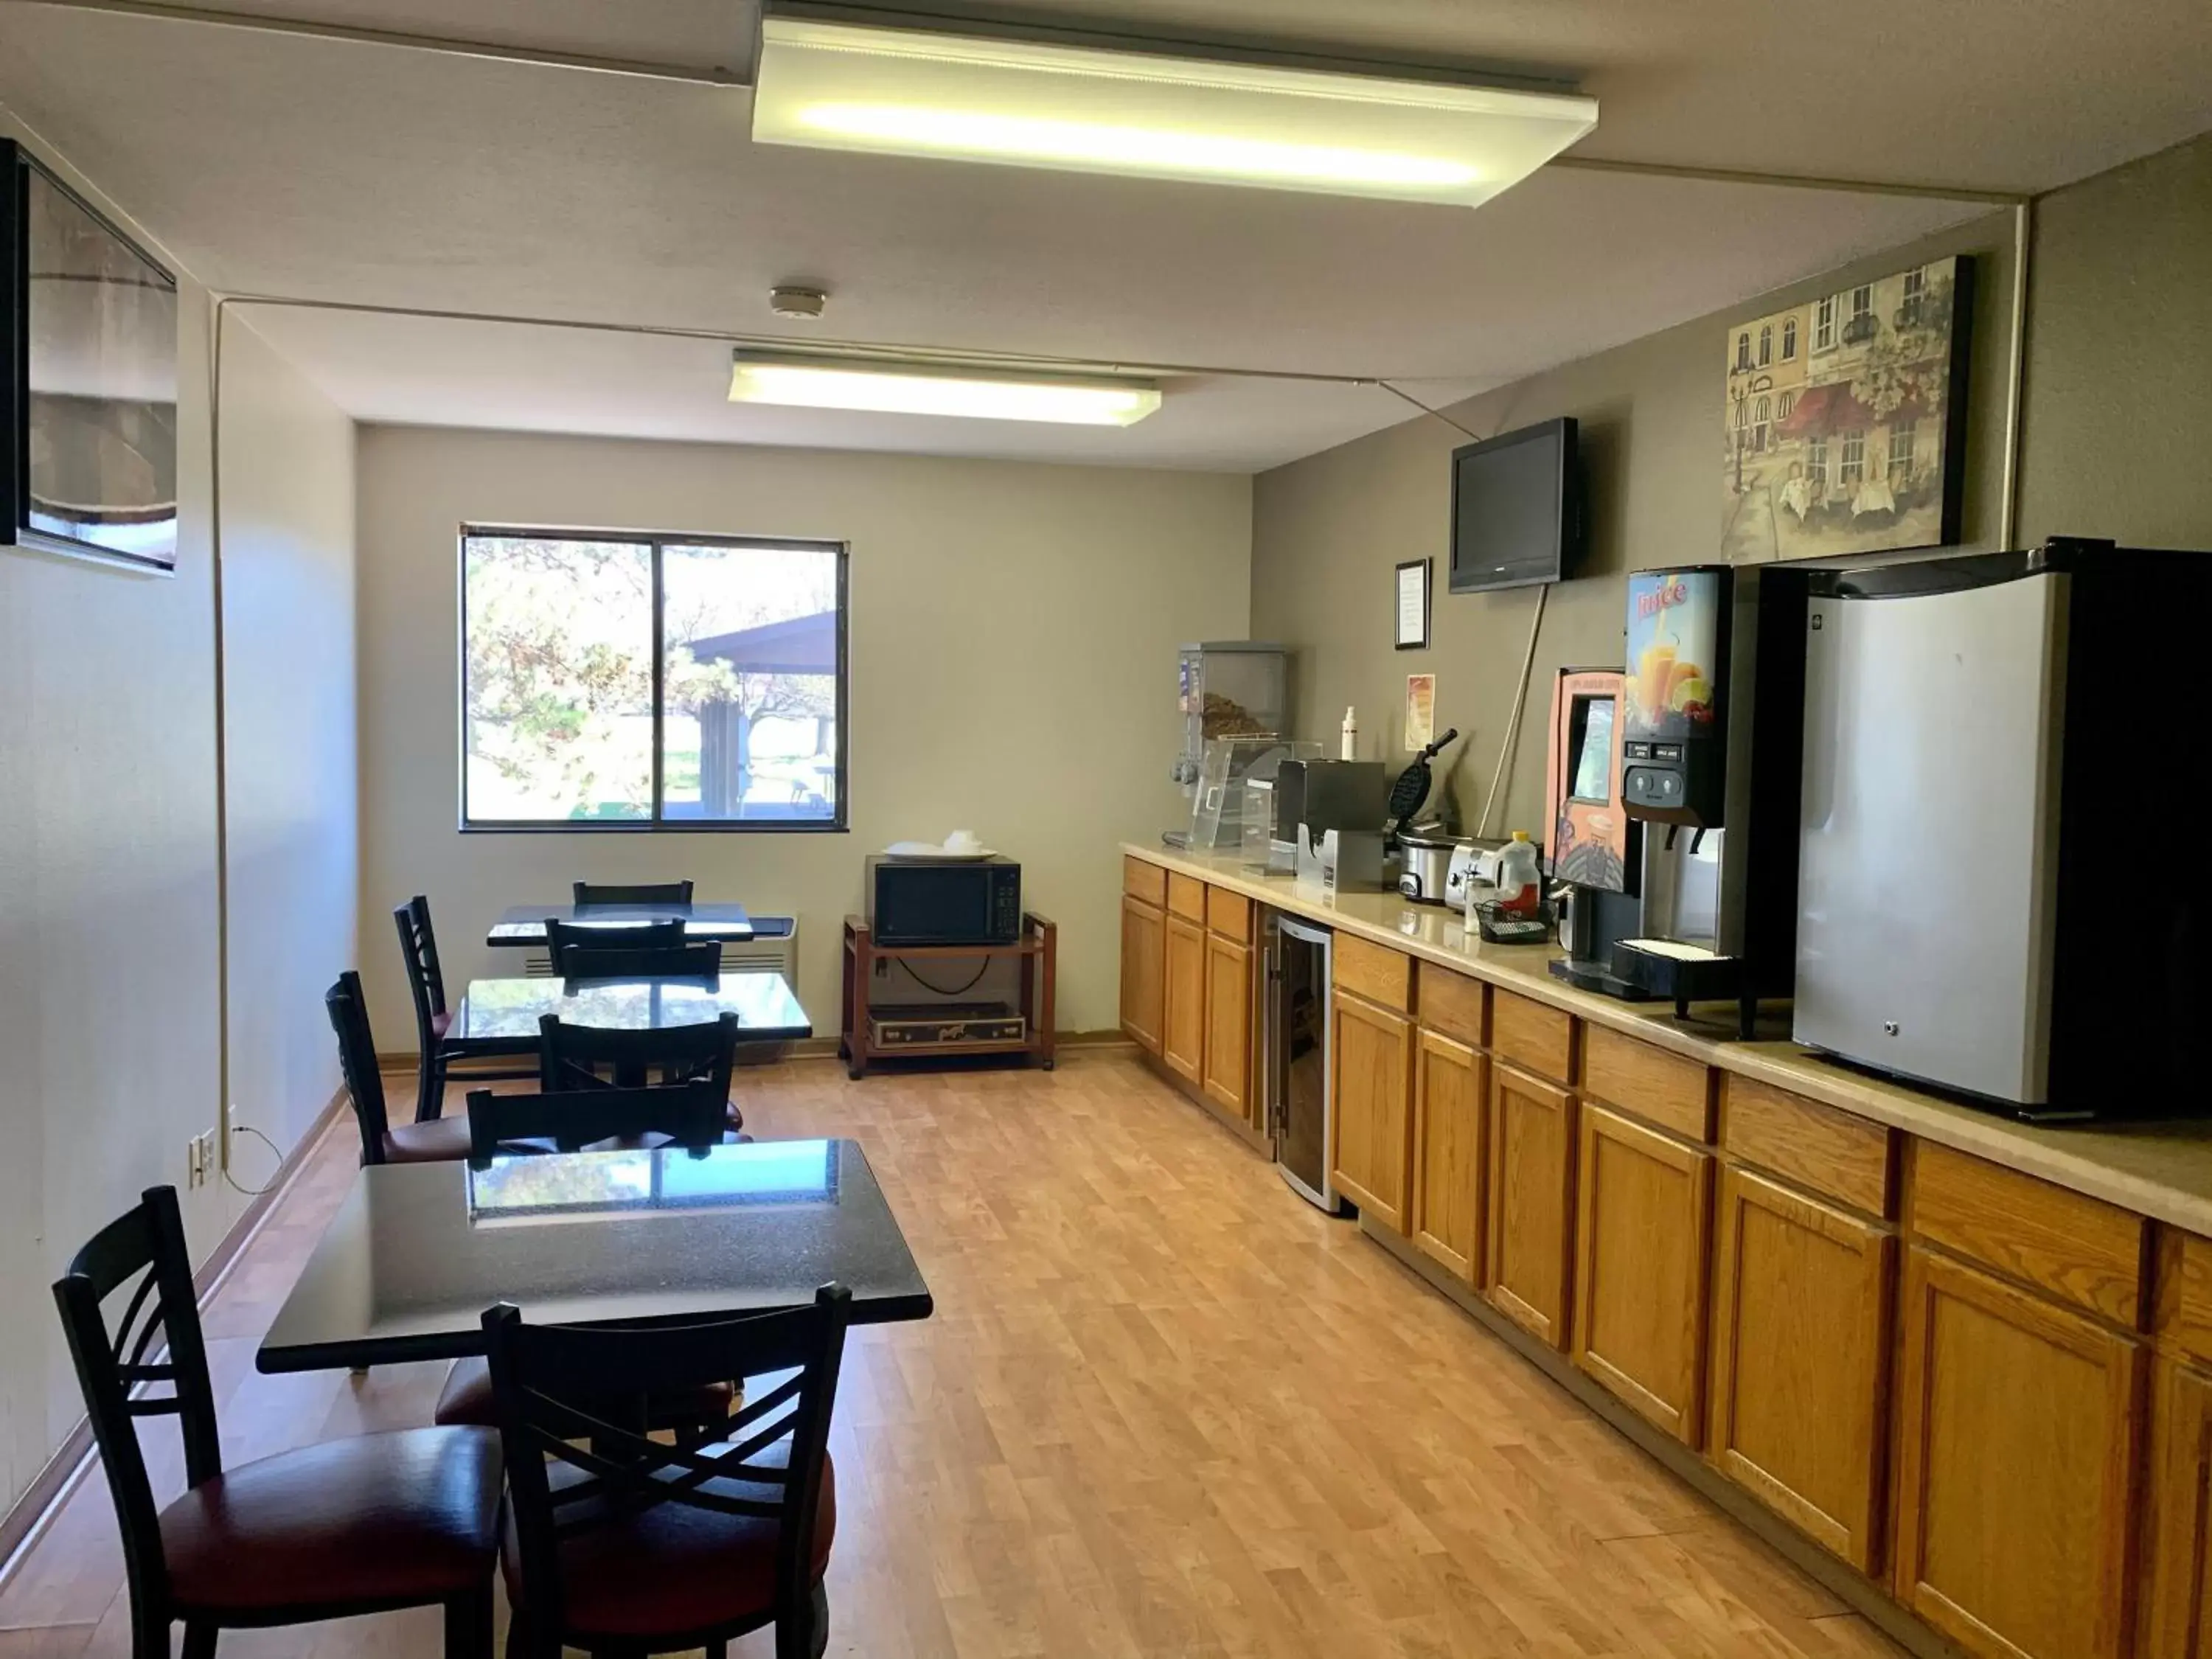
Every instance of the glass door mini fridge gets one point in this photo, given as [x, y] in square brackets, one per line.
[1297, 1070]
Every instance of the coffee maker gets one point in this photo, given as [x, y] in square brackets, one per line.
[1713, 750]
[1596, 849]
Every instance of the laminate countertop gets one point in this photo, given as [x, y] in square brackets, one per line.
[2161, 1169]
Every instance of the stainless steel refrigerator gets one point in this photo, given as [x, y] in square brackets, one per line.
[1999, 892]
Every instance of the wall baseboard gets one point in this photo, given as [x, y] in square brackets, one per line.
[27, 1518]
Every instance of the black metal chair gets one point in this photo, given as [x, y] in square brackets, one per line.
[431, 1142]
[688, 1114]
[566, 941]
[621, 1544]
[362, 1525]
[701, 961]
[591, 1057]
[426, 980]
[663, 892]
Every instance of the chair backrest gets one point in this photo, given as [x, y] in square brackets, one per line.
[702, 961]
[687, 1114]
[418, 948]
[564, 938]
[571, 1057]
[124, 1375]
[575, 1395]
[651, 892]
[348, 1013]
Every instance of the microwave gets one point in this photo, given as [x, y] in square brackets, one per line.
[944, 900]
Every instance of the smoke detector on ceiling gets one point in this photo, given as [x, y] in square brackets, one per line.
[801, 304]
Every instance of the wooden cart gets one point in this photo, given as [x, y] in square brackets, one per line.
[1035, 947]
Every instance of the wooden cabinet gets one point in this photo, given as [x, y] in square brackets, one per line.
[1802, 1299]
[1182, 1029]
[1644, 1211]
[1450, 1102]
[1226, 1067]
[2176, 1610]
[1144, 969]
[1371, 1138]
[2017, 1438]
[1532, 1200]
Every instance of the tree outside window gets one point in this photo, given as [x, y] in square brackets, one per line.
[623, 681]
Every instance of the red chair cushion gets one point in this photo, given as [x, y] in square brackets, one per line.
[406, 1516]
[673, 1569]
[467, 1399]
[438, 1141]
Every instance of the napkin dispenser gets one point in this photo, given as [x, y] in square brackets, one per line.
[1340, 860]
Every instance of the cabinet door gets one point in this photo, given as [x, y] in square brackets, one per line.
[1144, 953]
[1532, 1201]
[1370, 1138]
[1226, 1072]
[1802, 1296]
[1450, 1089]
[1644, 1216]
[1182, 1031]
[2178, 1550]
[2016, 1452]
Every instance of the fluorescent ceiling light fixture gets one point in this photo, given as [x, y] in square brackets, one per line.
[918, 388]
[835, 85]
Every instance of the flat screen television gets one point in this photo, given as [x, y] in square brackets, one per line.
[87, 378]
[1515, 508]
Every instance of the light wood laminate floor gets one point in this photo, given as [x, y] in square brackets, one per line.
[1164, 1408]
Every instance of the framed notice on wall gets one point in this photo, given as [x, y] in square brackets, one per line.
[1413, 609]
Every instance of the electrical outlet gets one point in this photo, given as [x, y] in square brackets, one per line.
[199, 1158]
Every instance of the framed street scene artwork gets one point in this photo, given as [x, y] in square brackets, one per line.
[1844, 420]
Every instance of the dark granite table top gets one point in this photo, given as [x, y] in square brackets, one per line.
[525, 924]
[506, 1011]
[418, 1251]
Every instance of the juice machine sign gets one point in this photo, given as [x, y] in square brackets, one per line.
[1673, 628]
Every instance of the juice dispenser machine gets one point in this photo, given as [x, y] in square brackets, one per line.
[1711, 758]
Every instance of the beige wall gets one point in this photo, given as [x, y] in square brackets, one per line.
[1327, 532]
[1013, 630]
[110, 1034]
[2119, 386]
[292, 828]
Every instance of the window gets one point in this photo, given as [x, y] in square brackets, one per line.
[1854, 462]
[1765, 344]
[1789, 339]
[1783, 402]
[1823, 324]
[1816, 464]
[1742, 415]
[1901, 457]
[1743, 351]
[1916, 298]
[618, 681]
[1759, 423]
[1862, 302]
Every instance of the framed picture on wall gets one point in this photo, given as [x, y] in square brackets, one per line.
[1843, 422]
[87, 378]
[1413, 606]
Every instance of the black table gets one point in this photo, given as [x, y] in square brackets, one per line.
[722, 924]
[418, 1251]
[496, 1013]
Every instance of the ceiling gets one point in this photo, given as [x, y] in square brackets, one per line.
[336, 171]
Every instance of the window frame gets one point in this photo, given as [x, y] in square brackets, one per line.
[839, 822]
